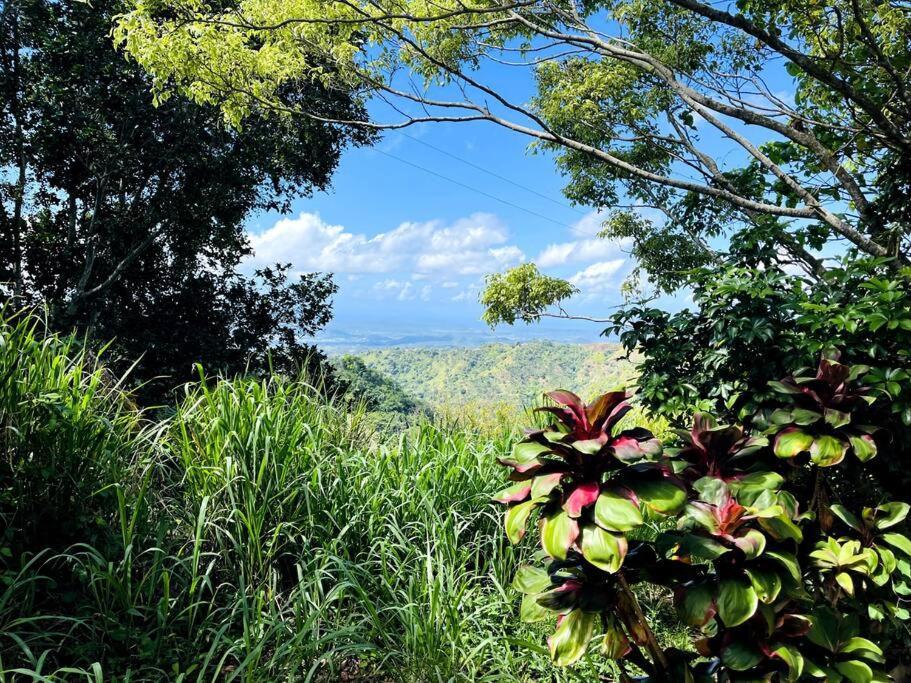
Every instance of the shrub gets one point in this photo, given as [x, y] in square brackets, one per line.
[779, 579]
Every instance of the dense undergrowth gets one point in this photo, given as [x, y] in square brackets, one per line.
[259, 532]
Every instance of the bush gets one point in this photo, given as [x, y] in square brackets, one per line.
[779, 578]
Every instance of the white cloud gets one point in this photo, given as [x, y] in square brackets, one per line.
[468, 246]
[598, 277]
[590, 224]
[577, 251]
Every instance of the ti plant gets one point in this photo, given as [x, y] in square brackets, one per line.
[775, 581]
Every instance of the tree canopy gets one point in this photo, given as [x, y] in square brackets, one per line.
[125, 217]
[776, 128]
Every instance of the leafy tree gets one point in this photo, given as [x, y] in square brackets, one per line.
[774, 124]
[779, 579]
[378, 392]
[126, 219]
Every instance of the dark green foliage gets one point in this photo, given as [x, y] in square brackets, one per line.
[377, 391]
[127, 220]
[783, 579]
[752, 326]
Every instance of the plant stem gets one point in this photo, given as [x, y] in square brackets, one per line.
[636, 622]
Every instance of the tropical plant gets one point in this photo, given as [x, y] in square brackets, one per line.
[759, 571]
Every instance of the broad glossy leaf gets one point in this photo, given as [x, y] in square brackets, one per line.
[701, 548]
[788, 562]
[616, 512]
[581, 497]
[791, 441]
[791, 656]
[782, 528]
[861, 645]
[526, 451]
[855, 671]
[531, 580]
[766, 583]
[515, 493]
[837, 418]
[752, 543]
[864, 446]
[845, 516]
[846, 582]
[531, 610]
[570, 640]
[760, 481]
[899, 541]
[588, 446]
[558, 532]
[741, 656]
[663, 495]
[542, 485]
[615, 644]
[695, 604]
[890, 514]
[828, 450]
[737, 601]
[517, 519]
[603, 549]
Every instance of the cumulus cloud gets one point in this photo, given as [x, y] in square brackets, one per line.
[590, 224]
[598, 277]
[577, 251]
[468, 246]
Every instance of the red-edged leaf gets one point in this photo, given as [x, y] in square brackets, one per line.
[571, 401]
[542, 485]
[558, 532]
[515, 493]
[582, 496]
[792, 441]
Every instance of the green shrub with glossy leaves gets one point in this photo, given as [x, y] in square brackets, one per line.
[778, 577]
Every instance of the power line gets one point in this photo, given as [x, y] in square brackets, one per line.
[491, 173]
[473, 189]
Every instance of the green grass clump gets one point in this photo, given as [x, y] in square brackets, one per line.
[259, 532]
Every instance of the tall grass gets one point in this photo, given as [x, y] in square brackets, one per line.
[259, 533]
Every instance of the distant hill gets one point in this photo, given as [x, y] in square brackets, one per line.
[514, 374]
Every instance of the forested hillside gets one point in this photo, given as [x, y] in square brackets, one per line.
[500, 373]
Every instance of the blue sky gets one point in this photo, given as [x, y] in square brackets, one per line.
[410, 248]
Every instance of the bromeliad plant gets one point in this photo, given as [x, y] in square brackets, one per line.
[776, 582]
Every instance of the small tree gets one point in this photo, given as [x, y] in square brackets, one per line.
[778, 578]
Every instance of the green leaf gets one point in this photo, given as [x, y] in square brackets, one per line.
[603, 549]
[558, 533]
[696, 604]
[890, 514]
[531, 610]
[517, 518]
[855, 671]
[760, 481]
[783, 388]
[740, 656]
[542, 486]
[846, 582]
[846, 516]
[898, 541]
[864, 446]
[792, 441]
[791, 656]
[752, 543]
[615, 644]
[526, 451]
[661, 495]
[570, 640]
[788, 562]
[828, 450]
[531, 580]
[737, 601]
[615, 512]
[701, 548]
[837, 418]
[766, 583]
[858, 644]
